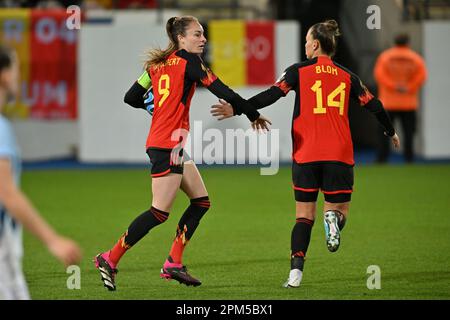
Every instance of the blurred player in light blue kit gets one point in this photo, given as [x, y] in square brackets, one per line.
[15, 208]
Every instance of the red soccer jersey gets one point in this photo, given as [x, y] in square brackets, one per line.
[174, 84]
[320, 128]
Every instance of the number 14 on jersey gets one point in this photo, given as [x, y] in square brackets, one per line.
[331, 98]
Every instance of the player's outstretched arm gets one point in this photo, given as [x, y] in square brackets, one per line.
[287, 81]
[222, 110]
[20, 208]
[262, 123]
[225, 110]
[198, 72]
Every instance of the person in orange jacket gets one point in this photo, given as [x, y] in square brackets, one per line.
[400, 72]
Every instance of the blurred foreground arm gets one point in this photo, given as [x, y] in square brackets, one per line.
[20, 208]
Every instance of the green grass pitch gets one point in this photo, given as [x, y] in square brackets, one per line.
[399, 220]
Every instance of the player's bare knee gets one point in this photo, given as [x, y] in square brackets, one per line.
[306, 210]
[342, 207]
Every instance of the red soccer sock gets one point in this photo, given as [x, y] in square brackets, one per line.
[180, 242]
[118, 250]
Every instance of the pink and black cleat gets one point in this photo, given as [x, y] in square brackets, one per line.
[179, 273]
[107, 270]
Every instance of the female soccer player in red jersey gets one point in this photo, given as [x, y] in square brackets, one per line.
[173, 73]
[322, 144]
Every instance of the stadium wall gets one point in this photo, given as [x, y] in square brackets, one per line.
[435, 108]
[43, 140]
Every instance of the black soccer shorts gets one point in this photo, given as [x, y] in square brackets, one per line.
[334, 179]
[165, 161]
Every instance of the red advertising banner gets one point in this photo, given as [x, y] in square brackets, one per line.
[52, 85]
[47, 51]
[260, 53]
